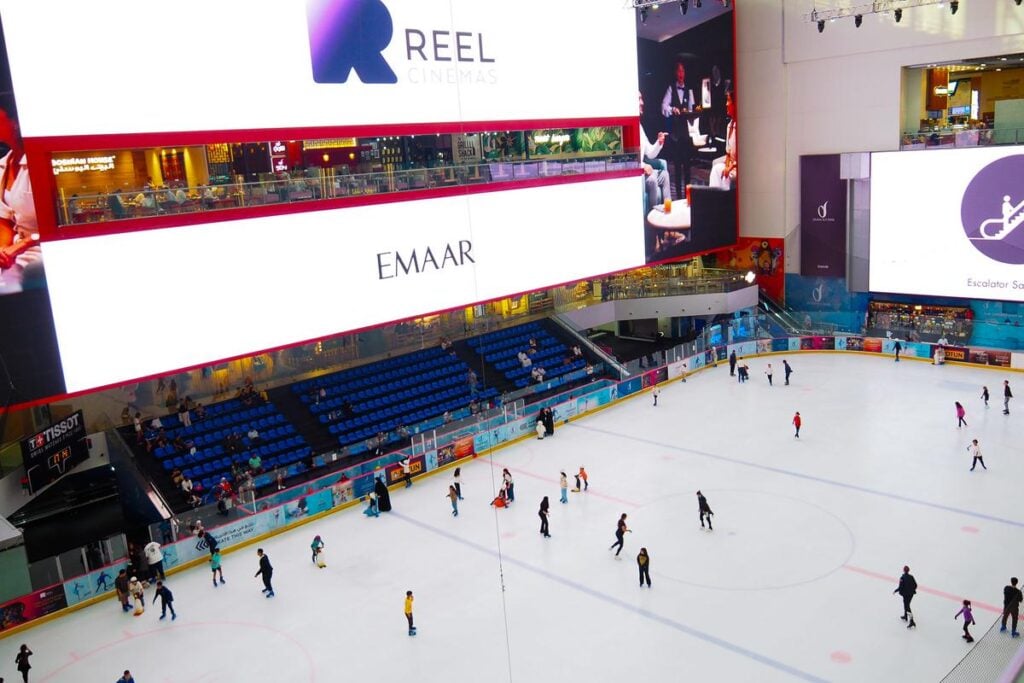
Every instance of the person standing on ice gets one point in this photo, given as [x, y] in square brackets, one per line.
[906, 589]
[704, 510]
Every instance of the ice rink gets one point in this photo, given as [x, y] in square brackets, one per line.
[795, 583]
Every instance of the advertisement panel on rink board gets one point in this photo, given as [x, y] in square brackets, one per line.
[265, 64]
[948, 223]
[263, 283]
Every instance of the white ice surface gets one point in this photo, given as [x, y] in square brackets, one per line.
[795, 582]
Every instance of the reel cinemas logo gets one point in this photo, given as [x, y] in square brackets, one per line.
[352, 35]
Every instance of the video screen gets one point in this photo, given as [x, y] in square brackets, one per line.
[948, 223]
[688, 129]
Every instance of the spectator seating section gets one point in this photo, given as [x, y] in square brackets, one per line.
[413, 390]
[501, 349]
[279, 445]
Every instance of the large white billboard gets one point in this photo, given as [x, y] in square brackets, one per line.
[125, 66]
[192, 295]
[948, 223]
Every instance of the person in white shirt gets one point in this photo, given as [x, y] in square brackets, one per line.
[679, 105]
[155, 558]
[655, 179]
[975, 450]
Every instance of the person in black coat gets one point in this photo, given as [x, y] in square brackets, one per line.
[732, 364]
[166, 600]
[21, 660]
[383, 496]
[906, 589]
[1012, 598]
[548, 418]
[267, 572]
[705, 510]
[543, 512]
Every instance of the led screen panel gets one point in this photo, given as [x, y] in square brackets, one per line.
[222, 290]
[196, 65]
[948, 223]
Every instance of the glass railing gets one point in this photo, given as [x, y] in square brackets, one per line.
[328, 184]
[946, 138]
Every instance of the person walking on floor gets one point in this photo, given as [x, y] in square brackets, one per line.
[166, 600]
[510, 486]
[543, 512]
[21, 660]
[704, 510]
[732, 364]
[643, 563]
[897, 348]
[656, 393]
[975, 450]
[984, 395]
[1011, 607]
[620, 535]
[788, 370]
[453, 496]
[968, 620]
[768, 373]
[797, 421]
[215, 568]
[266, 571]
[1007, 395]
[563, 483]
[907, 588]
[406, 471]
[316, 546]
[458, 482]
[408, 612]
[960, 415]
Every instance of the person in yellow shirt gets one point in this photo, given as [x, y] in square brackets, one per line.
[408, 612]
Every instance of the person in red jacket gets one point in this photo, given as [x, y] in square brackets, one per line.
[796, 423]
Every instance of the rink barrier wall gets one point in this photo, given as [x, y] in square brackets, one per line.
[308, 502]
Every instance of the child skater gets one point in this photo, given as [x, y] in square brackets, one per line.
[458, 482]
[984, 395]
[453, 496]
[315, 547]
[371, 505]
[960, 414]
[135, 588]
[563, 483]
[215, 568]
[968, 620]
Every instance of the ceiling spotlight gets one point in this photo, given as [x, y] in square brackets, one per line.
[643, 15]
[683, 6]
[858, 20]
[898, 13]
[821, 25]
[954, 5]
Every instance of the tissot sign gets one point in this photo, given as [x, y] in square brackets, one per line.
[49, 454]
[327, 63]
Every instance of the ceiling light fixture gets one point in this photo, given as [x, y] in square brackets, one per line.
[954, 5]
[821, 25]
[858, 20]
[643, 15]
[898, 14]
[683, 6]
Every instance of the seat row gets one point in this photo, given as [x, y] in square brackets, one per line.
[371, 370]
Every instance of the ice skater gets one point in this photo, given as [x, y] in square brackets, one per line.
[704, 510]
[408, 612]
[768, 374]
[540, 428]
[968, 620]
[121, 586]
[1007, 395]
[620, 535]
[138, 595]
[22, 663]
[1011, 607]
[788, 370]
[406, 471]
[215, 568]
[643, 563]
[897, 349]
[458, 482]
[510, 486]
[371, 505]
[960, 415]
[582, 475]
[984, 395]
[656, 393]
[266, 571]
[732, 364]
[453, 496]
[906, 589]
[797, 421]
[975, 450]
[563, 483]
[316, 546]
[543, 512]
[166, 600]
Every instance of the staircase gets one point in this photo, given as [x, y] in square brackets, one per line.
[487, 374]
[306, 424]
